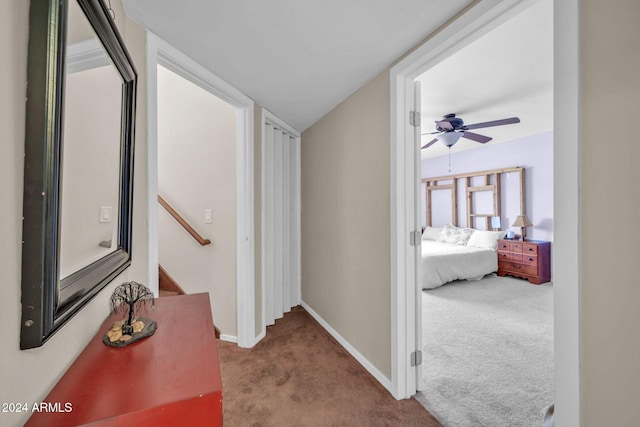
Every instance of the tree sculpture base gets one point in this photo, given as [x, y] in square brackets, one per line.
[142, 328]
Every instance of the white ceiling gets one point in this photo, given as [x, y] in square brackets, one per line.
[297, 58]
[508, 72]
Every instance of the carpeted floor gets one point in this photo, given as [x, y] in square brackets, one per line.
[299, 376]
[488, 352]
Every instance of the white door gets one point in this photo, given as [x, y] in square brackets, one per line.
[417, 139]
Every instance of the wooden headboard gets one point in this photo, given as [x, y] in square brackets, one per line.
[490, 182]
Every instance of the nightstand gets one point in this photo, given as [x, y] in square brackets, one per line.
[529, 259]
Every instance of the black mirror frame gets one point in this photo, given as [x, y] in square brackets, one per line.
[43, 311]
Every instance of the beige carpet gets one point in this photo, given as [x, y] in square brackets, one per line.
[488, 352]
[299, 376]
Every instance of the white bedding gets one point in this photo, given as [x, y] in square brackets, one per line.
[445, 262]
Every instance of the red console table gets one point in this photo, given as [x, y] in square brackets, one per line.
[171, 378]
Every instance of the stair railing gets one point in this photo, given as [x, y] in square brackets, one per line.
[183, 222]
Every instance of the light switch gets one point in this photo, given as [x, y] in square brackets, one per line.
[208, 216]
[105, 213]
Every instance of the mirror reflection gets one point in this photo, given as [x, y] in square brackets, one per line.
[89, 219]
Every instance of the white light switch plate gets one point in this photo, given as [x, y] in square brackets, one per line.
[208, 216]
[105, 213]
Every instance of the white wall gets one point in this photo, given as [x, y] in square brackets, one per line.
[27, 376]
[196, 171]
[90, 171]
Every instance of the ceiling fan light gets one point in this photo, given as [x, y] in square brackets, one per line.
[449, 138]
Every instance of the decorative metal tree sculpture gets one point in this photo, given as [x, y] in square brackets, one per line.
[132, 296]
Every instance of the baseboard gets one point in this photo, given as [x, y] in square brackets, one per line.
[228, 338]
[379, 376]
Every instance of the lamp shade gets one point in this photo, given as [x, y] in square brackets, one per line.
[522, 221]
[449, 138]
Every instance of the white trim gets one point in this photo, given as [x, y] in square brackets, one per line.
[86, 55]
[229, 338]
[478, 20]
[379, 376]
[152, 164]
[160, 52]
[269, 117]
[260, 337]
[566, 215]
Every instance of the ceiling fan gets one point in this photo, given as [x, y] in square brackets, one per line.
[451, 128]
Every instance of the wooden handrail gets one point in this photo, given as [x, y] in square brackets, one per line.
[182, 222]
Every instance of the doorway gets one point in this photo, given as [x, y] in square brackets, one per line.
[479, 349]
[161, 53]
[469, 26]
[196, 180]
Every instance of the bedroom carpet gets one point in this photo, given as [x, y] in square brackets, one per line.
[488, 352]
[299, 376]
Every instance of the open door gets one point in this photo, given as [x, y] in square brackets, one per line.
[418, 248]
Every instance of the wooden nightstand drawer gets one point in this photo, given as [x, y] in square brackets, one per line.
[503, 255]
[515, 257]
[518, 268]
[530, 248]
[529, 259]
[515, 246]
[503, 246]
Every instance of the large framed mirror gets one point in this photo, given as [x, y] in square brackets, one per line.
[78, 173]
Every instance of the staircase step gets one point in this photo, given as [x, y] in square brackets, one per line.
[164, 293]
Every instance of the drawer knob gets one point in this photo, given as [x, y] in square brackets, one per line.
[530, 259]
[530, 249]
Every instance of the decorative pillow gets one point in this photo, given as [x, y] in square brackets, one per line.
[486, 239]
[431, 233]
[453, 234]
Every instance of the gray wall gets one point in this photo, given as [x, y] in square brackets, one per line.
[610, 200]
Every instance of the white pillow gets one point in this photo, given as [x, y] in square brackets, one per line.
[431, 233]
[486, 239]
[453, 234]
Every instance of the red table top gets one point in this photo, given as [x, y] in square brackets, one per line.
[178, 363]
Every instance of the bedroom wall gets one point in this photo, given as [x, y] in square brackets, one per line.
[27, 376]
[535, 153]
[197, 171]
[610, 200]
[346, 221]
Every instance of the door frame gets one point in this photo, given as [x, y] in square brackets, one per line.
[162, 53]
[473, 23]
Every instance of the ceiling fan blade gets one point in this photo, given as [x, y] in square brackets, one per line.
[444, 125]
[430, 133]
[508, 121]
[430, 143]
[476, 137]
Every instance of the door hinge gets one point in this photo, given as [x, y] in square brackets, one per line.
[416, 358]
[414, 118]
[415, 237]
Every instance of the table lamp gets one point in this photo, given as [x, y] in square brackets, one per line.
[523, 222]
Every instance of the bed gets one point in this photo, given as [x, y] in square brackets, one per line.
[453, 253]
[445, 259]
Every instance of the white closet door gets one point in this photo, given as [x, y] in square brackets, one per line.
[286, 216]
[281, 234]
[278, 148]
[294, 188]
[269, 225]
